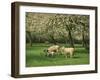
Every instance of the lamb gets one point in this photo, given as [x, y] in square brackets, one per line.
[67, 51]
[52, 50]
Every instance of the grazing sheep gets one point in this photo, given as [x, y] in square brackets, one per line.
[67, 51]
[52, 50]
[49, 53]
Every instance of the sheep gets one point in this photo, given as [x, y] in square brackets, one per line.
[67, 51]
[52, 50]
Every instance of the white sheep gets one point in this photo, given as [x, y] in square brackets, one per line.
[67, 51]
[52, 50]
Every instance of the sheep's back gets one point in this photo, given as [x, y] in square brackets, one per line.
[68, 50]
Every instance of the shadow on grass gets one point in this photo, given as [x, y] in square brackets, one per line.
[76, 57]
[81, 50]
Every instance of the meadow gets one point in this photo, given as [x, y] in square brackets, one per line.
[36, 57]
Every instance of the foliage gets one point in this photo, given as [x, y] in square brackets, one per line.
[57, 28]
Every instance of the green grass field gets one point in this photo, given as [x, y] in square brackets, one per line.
[36, 57]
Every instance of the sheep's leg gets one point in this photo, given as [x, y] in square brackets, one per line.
[66, 56]
[52, 54]
[71, 55]
[57, 52]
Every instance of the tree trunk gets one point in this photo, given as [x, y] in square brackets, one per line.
[31, 43]
[54, 41]
[30, 38]
[83, 36]
[83, 39]
[70, 37]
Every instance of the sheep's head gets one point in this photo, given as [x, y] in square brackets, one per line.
[61, 49]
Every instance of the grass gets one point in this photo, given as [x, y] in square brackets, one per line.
[36, 57]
